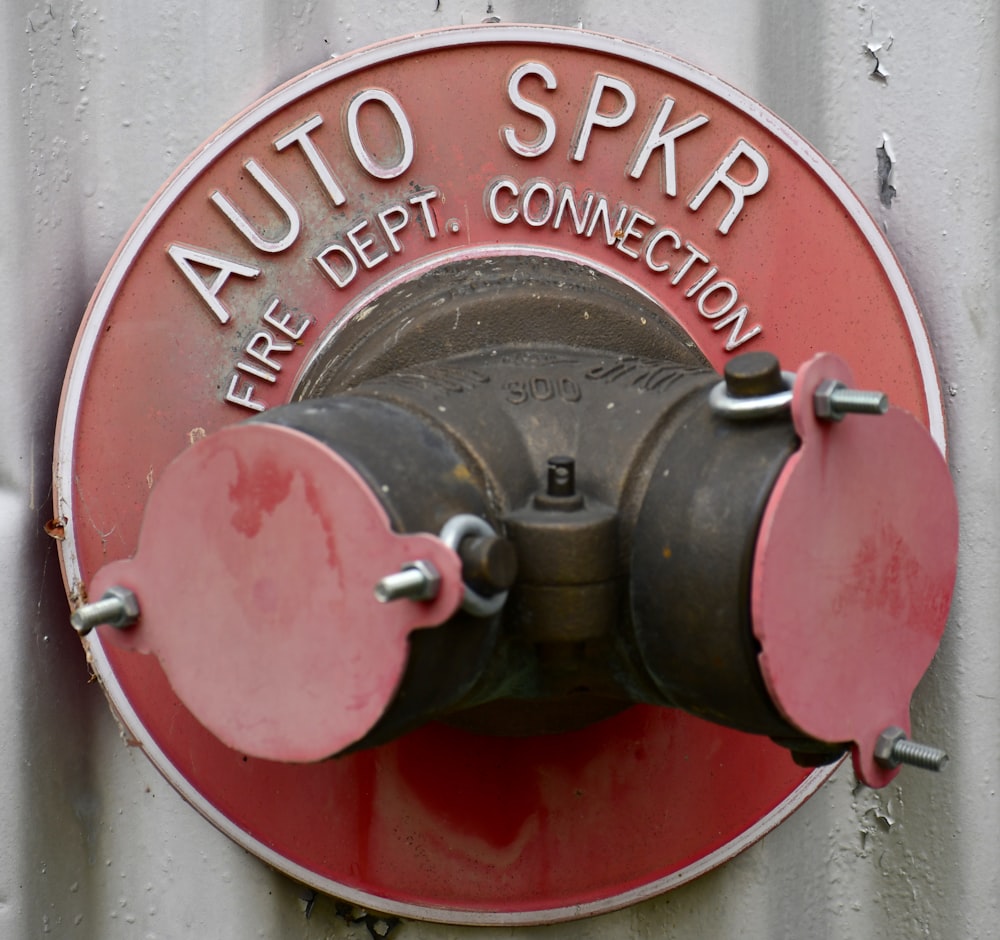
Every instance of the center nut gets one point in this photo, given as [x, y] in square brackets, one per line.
[583, 529]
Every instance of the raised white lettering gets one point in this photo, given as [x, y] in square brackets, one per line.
[547, 135]
[280, 197]
[300, 135]
[342, 272]
[726, 304]
[362, 244]
[294, 331]
[658, 135]
[739, 191]
[423, 200]
[629, 230]
[593, 117]
[635, 233]
[701, 282]
[251, 369]
[547, 203]
[401, 160]
[490, 199]
[262, 344]
[567, 200]
[694, 255]
[612, 230]
[245, 399]
[737, 318]
[209, 292]
[656, 238]
[402, 216]
[262, 355]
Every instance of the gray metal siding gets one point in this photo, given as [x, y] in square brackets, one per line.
[100, 100]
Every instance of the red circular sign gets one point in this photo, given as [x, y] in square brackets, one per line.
[365, 173]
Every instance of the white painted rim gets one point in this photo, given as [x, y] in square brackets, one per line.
[92, 329]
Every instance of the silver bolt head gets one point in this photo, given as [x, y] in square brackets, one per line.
[129, 605]
[431, 578]
[885, 745]
[823, 400]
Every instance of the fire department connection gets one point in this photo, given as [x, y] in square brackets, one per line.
[543, 418]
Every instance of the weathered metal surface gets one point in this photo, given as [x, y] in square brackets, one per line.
[492, 828]
[102, 100]
[255, 573]
[853, 571]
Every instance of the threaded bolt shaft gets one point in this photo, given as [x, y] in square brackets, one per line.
[93, 615]
[118, 608]
[418, 581]
[859, 401]
[893, 748]
[833, 400]
[926, 756]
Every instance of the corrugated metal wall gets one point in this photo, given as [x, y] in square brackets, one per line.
[102, 99]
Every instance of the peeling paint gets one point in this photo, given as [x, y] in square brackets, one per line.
[886, 161]
[875, 50]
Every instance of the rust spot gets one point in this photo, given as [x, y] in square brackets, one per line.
[77, 594]
[56, 528]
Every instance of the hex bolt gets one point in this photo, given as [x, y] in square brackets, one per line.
[416, 581]
[893, 748]
[833, 400]
[118, 608]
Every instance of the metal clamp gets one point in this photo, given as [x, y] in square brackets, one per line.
[453, 532]
[749, 409]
